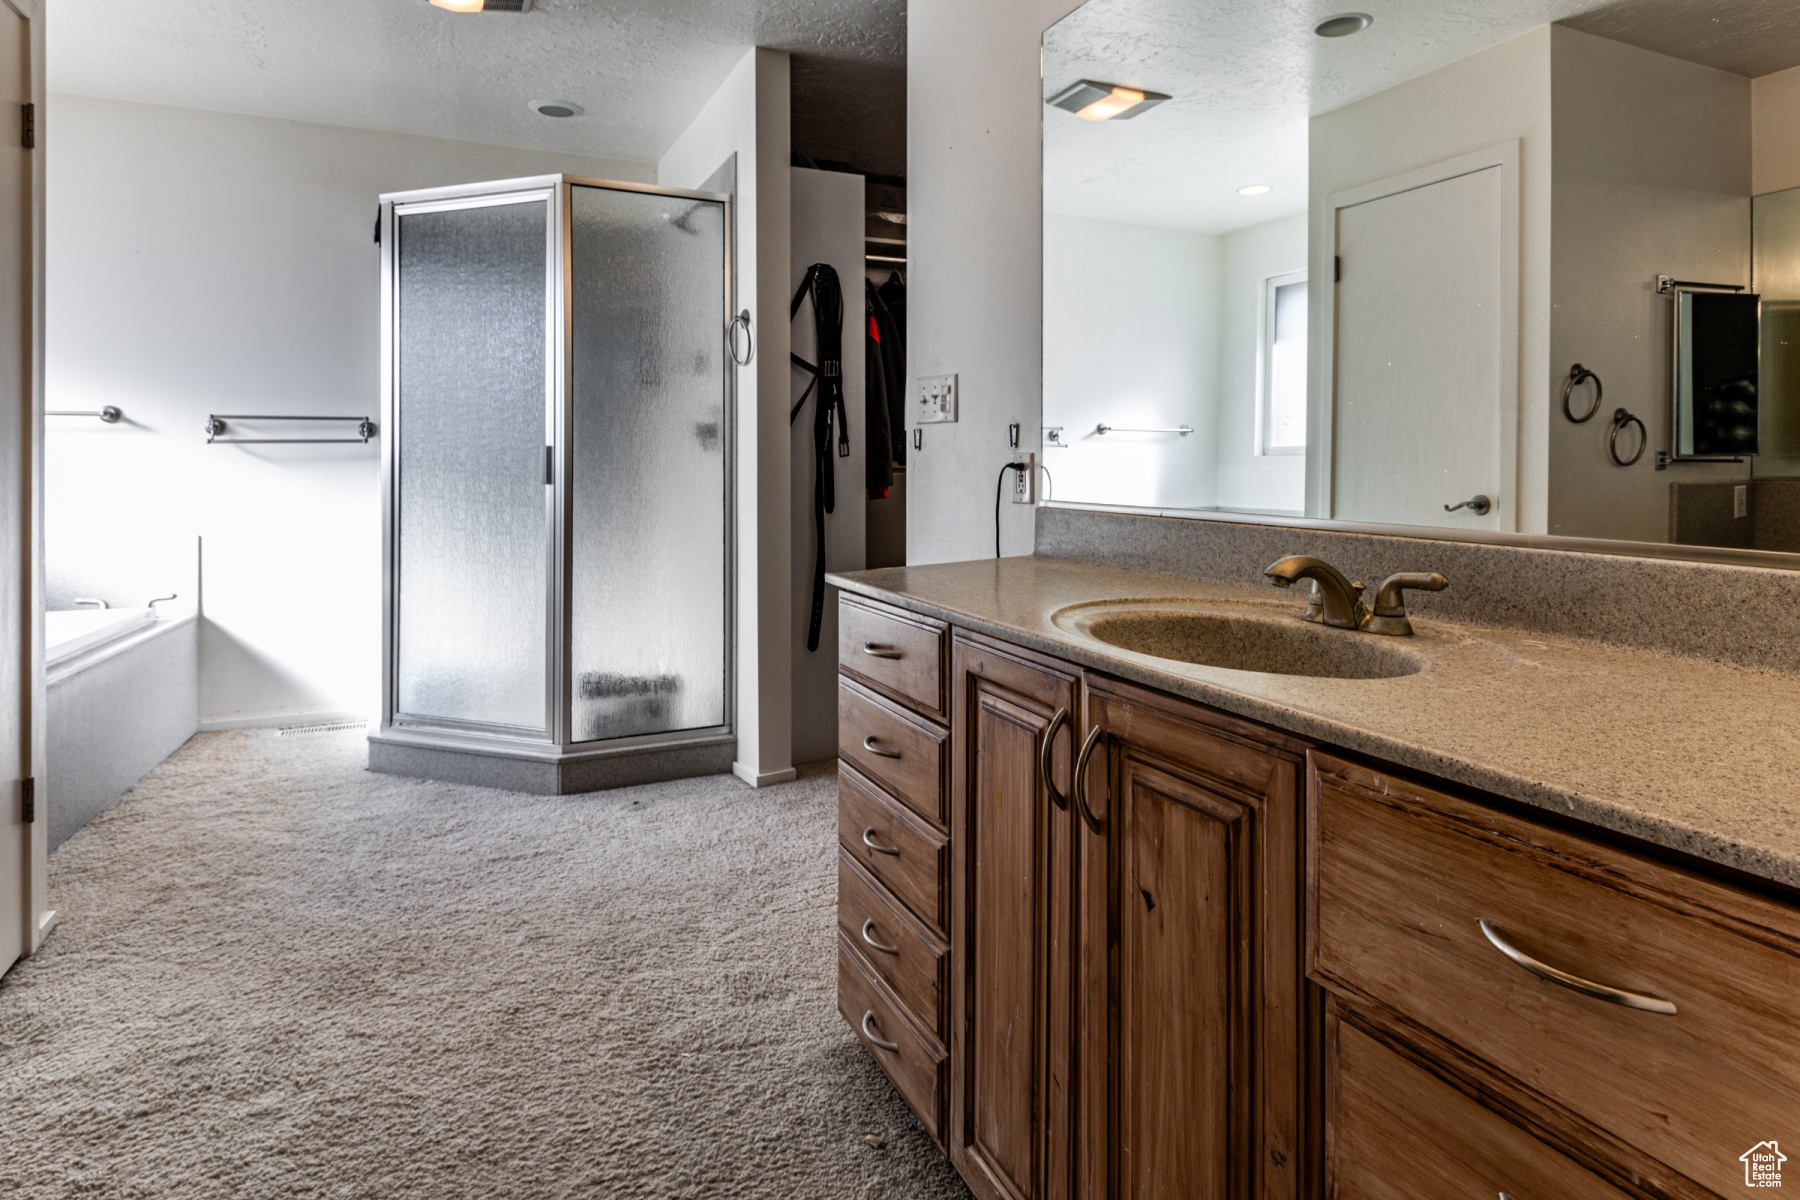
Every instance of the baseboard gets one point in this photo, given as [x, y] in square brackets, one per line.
[766, 779]
[273, 720]
[46, 923]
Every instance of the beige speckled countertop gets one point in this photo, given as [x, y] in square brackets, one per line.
[1694, 756]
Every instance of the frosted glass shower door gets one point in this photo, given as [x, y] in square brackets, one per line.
[472, 515]
[647, 535]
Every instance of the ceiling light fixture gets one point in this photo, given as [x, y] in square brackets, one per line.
[471, 6]
[1104, 101]
[1255, 189]
[1342, 25]
[556, 108]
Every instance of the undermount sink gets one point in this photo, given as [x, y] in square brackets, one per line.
[1239, 639]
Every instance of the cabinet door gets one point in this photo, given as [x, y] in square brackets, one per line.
[1011, 914]
[1189, 1013]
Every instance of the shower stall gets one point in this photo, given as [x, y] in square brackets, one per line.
[557, 402]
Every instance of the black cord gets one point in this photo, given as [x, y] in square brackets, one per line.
[998, 485]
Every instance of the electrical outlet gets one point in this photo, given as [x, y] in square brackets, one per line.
[937, 400]
[1025, 480]
[1740, 501]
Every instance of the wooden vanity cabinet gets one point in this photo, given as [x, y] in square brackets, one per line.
[1190, 1019]
[1012, 921]
[1218, 963]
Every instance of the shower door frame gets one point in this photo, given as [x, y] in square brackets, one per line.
[553, 742]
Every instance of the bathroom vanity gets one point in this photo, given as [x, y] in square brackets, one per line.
[1436, 919]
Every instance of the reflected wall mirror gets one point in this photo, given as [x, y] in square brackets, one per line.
[1508, 267]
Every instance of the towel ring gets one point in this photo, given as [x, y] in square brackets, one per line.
[1621, 419]
[1579, 375]
[741, 321]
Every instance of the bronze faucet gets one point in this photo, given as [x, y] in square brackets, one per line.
[1338, 602]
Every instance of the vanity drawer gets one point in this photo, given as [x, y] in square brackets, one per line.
[903, 853]
[903, 754]
[1396, 1131]
[1403, 874]
[911, 1058]
[894, 652]
[909, 958]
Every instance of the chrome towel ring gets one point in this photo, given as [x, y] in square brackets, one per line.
[1579, 375]
[1621, 419]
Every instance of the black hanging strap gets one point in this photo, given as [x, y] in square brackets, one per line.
[821, 282]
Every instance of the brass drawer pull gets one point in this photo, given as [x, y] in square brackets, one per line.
[868, 1020]
[1574, 983]
[1080, 787]
[877, 650]
[877, 847]
[872, 748]
[1056, 723]
[869, 937]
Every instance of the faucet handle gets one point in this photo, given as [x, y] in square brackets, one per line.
[1390, 601]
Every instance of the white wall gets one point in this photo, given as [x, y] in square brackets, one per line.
[828, 227]
[1491, 97]
[1652, 177]
[1775, 131]
[1131, 338]
[975, 245]
[1249, 257]
[748, 118]
[203, 262]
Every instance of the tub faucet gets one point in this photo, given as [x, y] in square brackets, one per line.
[1335, 600]
[89, 602]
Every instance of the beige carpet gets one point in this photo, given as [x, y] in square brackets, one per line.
[280, 975]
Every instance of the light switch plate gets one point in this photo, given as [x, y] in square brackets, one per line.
[937, 400]
[1740, 501]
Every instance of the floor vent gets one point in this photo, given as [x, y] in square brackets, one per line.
[290, 730]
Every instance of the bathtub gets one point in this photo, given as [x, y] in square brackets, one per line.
[123, 692]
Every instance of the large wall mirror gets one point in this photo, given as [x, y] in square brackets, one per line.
[1498, 267]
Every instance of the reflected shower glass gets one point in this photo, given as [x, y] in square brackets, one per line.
[648, 537]
[472, 512]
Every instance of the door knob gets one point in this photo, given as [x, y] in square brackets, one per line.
[1478, 505]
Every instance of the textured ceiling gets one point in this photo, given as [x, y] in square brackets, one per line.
[1247, 74]
[1745, 37]
[641, 68]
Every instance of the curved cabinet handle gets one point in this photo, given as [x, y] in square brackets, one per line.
[1080, 785]
[869, 938]
[1057, 798]
[1574, 983]
[877, 650]
[877, 847]
[867, 1021]
[872, 748]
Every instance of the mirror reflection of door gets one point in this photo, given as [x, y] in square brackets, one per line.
[1421, 349]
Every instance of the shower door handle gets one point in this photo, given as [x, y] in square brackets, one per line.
[550, 465]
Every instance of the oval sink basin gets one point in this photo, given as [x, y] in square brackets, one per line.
[1268, 643]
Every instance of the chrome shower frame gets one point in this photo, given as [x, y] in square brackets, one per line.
[546, 760]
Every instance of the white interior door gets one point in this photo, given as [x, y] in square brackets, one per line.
[1424, 404]
[16, 479]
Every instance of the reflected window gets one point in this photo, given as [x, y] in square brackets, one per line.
[1282, 409]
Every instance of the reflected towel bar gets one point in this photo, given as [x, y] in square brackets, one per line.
[215, 425]
[110, 414]
[1183, 430]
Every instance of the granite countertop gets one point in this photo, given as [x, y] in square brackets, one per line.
[1694, 756]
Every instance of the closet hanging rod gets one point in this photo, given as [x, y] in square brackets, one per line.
[1183, 430]
[215, 425]
[110, 414]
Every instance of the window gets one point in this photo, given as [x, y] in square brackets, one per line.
[1281, 418]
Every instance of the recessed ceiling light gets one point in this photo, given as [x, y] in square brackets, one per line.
[1104, 101]
[556, 108]
[1255, 189]
[1343, 25]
